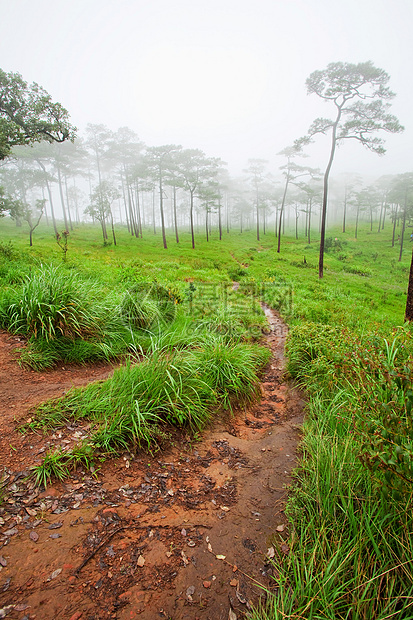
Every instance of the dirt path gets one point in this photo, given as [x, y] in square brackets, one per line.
[184, 534]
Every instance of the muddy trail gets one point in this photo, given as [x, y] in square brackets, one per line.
[192, 532]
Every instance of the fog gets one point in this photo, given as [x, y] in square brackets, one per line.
[224, 76]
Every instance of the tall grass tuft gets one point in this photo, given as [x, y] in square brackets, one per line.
[54, 303]
[180, 388]
[351, 549]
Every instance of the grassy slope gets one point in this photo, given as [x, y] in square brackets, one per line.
[379, 297]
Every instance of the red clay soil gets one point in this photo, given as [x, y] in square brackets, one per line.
[192, 532]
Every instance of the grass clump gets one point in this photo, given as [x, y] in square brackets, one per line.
[351, 506]
[53, 303]
[182, 388]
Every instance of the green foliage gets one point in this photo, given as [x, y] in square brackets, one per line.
[28, 115]
[53, 303]
[333, 244]
[352, 501]
[237, 273]
[144, 305]
[128, 410]
[53, 467]
[358, 270]
[231, 370]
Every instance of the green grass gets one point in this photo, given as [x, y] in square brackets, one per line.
[350, 508]
[131, 409]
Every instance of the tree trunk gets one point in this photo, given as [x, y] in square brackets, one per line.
[409, 302]
[59, 177]
[309, 221]
[345, 210]
[68, 206]
[113, 228]
[175, 218]
[325, 195]
[206, 222]
[394, 225]
[258, 218]
[50, 195]
[403, 226]
[191, 218]
[357, 222]
[161, 209]
[287, 180]
[381, 215]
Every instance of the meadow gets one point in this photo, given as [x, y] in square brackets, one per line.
[197, 340]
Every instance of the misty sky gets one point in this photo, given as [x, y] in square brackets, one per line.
[226, 76]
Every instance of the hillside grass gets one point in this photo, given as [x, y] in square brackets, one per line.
[350, 508]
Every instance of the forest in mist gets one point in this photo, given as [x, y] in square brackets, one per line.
[113, 178]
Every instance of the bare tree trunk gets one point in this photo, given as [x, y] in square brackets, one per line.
[394, 225]
[191, 218]
[357, 221]
[161, 209]
[287, 180]
[409, 302]
[325, 195]
[403, 226]
[59, 177]
[175, 219]
[68, 206]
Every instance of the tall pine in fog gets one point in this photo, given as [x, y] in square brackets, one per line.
[359, 97]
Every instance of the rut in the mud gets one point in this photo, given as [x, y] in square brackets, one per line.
[183, 535]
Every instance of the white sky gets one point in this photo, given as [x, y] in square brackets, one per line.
[225, 76]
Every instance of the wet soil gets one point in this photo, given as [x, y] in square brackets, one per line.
[192, 532]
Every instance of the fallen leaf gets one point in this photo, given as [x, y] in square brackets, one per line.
[285, 549]
[191, 543]
[185, 559]
[280, 528]
[21, 607]
[189, 592]
[168, 554]
[232, 615]
[141, 561]
[270, 553]
[234, 583]
[31, 512]
[6, 610]
[210, 548]
[220, 557]
[55, 526]
[241, 597]
[224, 508]
[55, 574]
